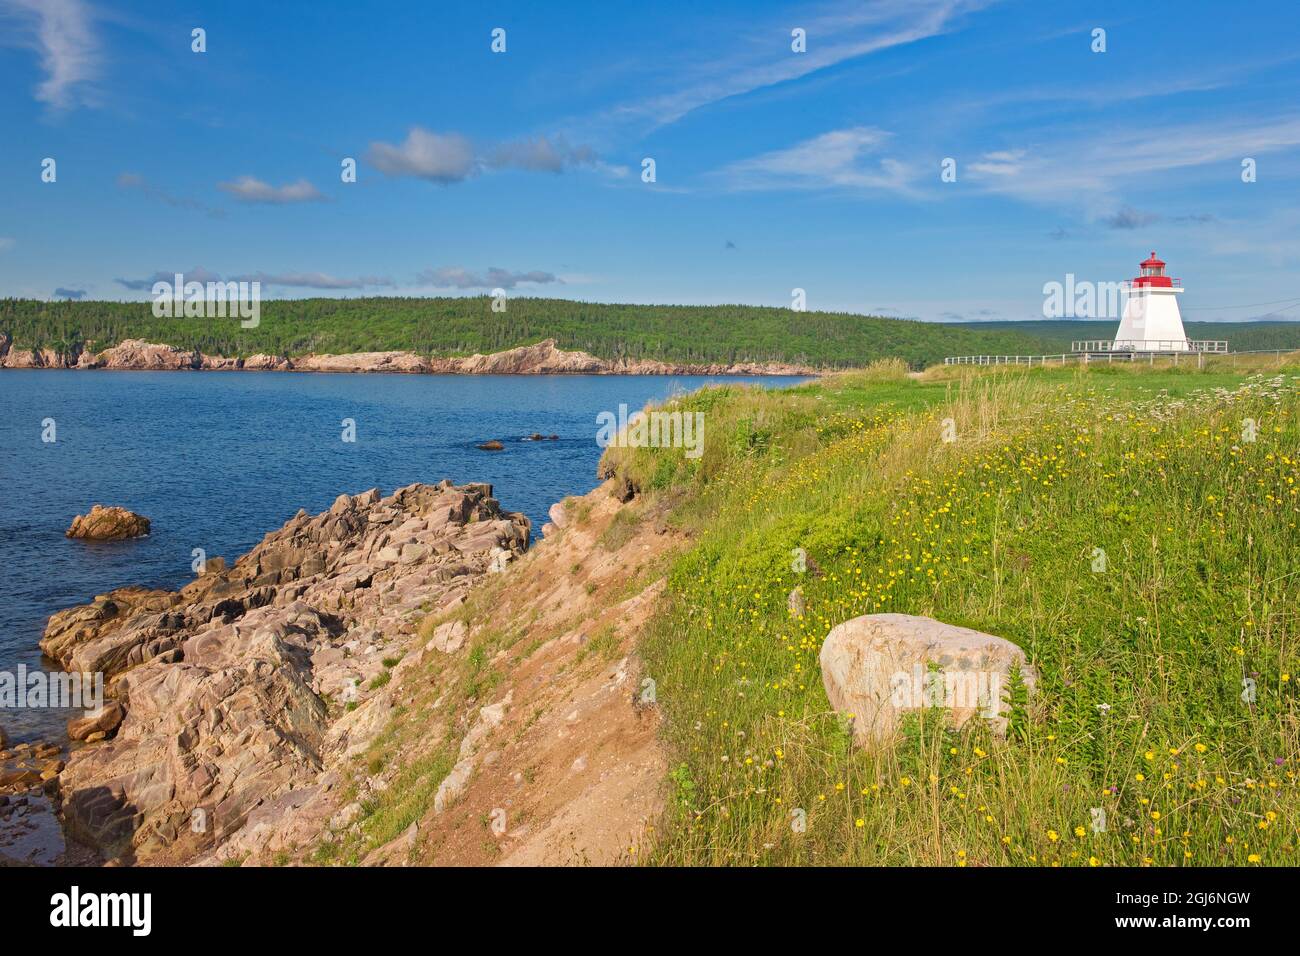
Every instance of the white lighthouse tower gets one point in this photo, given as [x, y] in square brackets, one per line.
[1151, 321]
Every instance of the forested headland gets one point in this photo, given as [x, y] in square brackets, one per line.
[464, 326]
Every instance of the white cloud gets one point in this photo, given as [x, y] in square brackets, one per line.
[61, 31]
[6, 244]
[454, 277]
[834, 160]
[442, 158]
[452, 158]
[251, 189]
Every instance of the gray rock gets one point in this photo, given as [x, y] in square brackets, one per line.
[879, 667]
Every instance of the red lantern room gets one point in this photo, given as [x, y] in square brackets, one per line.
[1153, 274]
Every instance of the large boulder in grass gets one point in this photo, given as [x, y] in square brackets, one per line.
[879, 667]
[105, 524]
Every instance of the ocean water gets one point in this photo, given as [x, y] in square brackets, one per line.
[215, 460]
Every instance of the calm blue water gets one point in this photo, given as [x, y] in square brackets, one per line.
[216, 460]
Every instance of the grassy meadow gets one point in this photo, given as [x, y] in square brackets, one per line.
[1134, 530]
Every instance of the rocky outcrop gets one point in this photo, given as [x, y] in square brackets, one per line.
[33, 358]
[98, 725]
[543, 358]
[266, 363]
[241, 688]
[879, 667]
[108, 524]
[138, 354]
[362, 362]
[216, 363]
[546, 358]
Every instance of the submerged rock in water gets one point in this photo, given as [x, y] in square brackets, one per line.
[242, 687]
[492, 445]
[108, 524]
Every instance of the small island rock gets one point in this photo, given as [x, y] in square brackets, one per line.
[105, 524]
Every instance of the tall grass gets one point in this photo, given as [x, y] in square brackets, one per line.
[1164, 726]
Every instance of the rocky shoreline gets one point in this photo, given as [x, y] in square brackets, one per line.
[543, 358]
[250, 687]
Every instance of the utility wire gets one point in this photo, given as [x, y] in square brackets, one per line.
[1225, 308]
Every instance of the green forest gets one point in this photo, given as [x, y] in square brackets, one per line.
[463, 326]
[1240, 336]
[451, 326]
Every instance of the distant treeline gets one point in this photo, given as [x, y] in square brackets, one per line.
[464, 326]
[1240, 336]
[671, 333]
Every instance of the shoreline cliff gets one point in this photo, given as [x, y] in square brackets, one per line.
[366, 683]
[542, 358]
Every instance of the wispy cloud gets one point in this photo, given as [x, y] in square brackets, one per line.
[451, 157]
[62, 293]
[6, 244]
[454, 277]
[62, 32]
[1091, 171]
[196, 274]
[315, 280]
[297, 280]
[134, 182]
[253, 190]
[1129, 218]
[834, 160]
[840, 32]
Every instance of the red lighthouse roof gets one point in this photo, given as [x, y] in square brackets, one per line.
[1153, 274]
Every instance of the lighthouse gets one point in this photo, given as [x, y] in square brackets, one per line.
[1151, 321]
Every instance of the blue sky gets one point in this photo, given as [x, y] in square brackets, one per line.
[774, 169]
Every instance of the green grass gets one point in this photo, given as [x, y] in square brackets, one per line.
[1139, 710]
